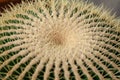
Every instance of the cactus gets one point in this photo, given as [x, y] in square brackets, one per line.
[59, 40]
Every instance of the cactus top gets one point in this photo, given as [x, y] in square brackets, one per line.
[59, 40]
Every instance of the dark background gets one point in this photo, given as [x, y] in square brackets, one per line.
[113, 5]
[4, 3]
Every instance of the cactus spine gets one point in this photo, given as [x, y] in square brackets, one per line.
[59, 40]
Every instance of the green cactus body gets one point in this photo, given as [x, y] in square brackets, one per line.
[59, 40]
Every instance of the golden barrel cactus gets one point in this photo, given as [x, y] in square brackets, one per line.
[59, 40]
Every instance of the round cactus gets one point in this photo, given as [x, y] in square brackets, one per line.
[59, 40]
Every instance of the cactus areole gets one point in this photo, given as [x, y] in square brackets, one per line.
[59, 40]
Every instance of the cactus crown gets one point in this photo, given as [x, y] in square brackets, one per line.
[59, 39]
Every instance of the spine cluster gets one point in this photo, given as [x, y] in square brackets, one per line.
[59, 40]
